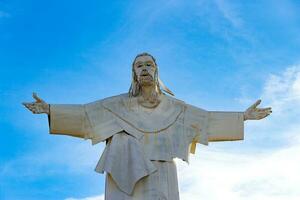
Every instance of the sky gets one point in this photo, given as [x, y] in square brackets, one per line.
[215, 54]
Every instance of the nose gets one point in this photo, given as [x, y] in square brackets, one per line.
[144, 71]
[147, 68]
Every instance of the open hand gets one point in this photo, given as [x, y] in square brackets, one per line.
[254, 113]
[37, 107]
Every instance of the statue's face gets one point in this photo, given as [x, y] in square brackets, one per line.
[145, 68]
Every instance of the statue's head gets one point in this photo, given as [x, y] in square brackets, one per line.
[145, 73]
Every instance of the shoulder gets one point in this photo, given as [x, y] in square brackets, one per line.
[188, 107]
[173, 99]
[112, 99]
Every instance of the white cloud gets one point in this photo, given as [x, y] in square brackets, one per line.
[220, 175]
[283, 91]
[264, 175]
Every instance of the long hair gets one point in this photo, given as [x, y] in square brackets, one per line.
[135, 87]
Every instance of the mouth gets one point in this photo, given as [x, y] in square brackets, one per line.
[147, 75]
[145, 78]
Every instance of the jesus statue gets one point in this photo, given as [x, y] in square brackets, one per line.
[144, 130]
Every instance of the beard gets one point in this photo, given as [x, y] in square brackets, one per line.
[146, 80]
[151, 101]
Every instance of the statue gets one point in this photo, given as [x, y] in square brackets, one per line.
[144, 130]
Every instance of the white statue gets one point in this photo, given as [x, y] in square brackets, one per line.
[144, 131]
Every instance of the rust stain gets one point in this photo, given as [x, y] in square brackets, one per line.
[146, 138]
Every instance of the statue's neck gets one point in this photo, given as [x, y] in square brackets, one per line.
[147, 91]
[149, 97]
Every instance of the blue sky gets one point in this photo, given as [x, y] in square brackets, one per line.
[215, 54]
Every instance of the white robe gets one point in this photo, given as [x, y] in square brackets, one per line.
[142, 143]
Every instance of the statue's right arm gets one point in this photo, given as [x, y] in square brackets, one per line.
[63, 119]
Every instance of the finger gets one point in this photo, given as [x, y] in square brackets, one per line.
[265, 109]
[256, 104]
[35, 96]
[28, 105]
[32, 109]
[24, 103]
[263, 115]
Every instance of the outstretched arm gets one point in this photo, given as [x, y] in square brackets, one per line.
[229, 126]
[63, 119]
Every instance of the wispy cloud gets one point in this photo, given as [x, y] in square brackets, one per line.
[229, 13]
[283, 91]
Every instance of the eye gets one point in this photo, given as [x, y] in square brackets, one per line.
[139, 66]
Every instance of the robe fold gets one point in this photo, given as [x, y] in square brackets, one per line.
[142, 142]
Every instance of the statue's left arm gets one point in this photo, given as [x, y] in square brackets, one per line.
[229, 126]
[225, 126]
[64, 119]
[89, 121]
[69, 119]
